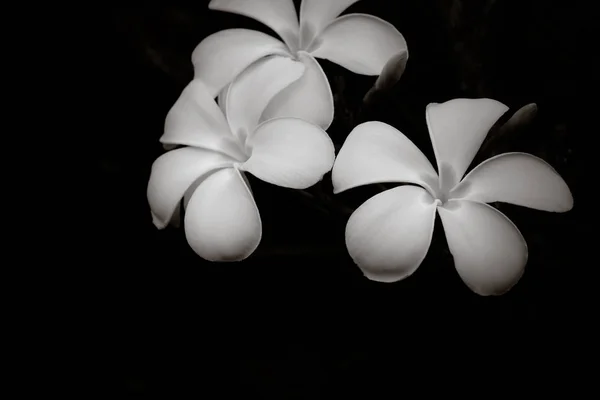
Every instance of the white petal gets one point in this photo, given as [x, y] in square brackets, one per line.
[361, 43]
[489, 251]
[290, 152]
[317, 14]
[196, 120]
[457, 128]
[279, 15]
[516, 178]
[173, 173]
[250, 93]
[375, 152]
[389, 235]
[221, 221]
[220, 57]
[309, 98]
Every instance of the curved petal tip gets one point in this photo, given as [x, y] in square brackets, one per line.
[375, 152]
[221, 221]
[290, 152]
[389, 235]
[489, 251]
[516, 178]
[361, 43]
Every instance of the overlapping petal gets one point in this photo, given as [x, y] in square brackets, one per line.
[389, 235]
[309, 97]
[220, 57]
[375, 152]
[173, 173]
[250, 93]
[222, 99]
[457, 128]
[196, 120]
[289, 152]
[489, 251]
[279, 15]
[221, 221]
[516, 178]
[317, 14]
[361, 43]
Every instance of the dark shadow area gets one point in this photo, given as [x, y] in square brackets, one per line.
[297, 320]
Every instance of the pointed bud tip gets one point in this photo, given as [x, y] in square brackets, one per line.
[392, 71]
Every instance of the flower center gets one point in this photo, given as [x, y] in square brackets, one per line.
[307, 40]
[292, 42]
[242, 143]
[442, 197]
[235, 146]
[446, 183]
[307, 37]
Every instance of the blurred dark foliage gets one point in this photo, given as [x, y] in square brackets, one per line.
[297, 320]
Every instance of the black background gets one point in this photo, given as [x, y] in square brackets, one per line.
[297, 320]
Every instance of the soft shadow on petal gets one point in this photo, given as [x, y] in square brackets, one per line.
[389, 235]
[175, 219]
[361, 43]
[317, 14]
[196, 120]
[222, 99]
[489, 251]
[457, 128]
[375, 152]
[220, 57]
[279, 15]
[290, 152]
[516, 178]
[173, 173]
[250, 93]
[309, 98]
[221, 220]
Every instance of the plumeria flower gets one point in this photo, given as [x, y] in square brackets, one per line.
[222, 222]
[389, 235]
[359, 42]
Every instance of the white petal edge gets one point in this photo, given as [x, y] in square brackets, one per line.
[361, 43]
[375, 152]
[309, 97]
[289, 152]
[489, 251]
[220, 57]
[317, 14]
[196, 120]
[457, 128]
[173, 173]
[389, 235]
[516, 178]
[250, 93]
[222, 222]
[279, 15]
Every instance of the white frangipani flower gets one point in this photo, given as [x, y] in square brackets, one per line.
[361, 43]
[389, 235]
[222, 222]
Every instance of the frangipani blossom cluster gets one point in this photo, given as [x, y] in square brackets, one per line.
[259, 105]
